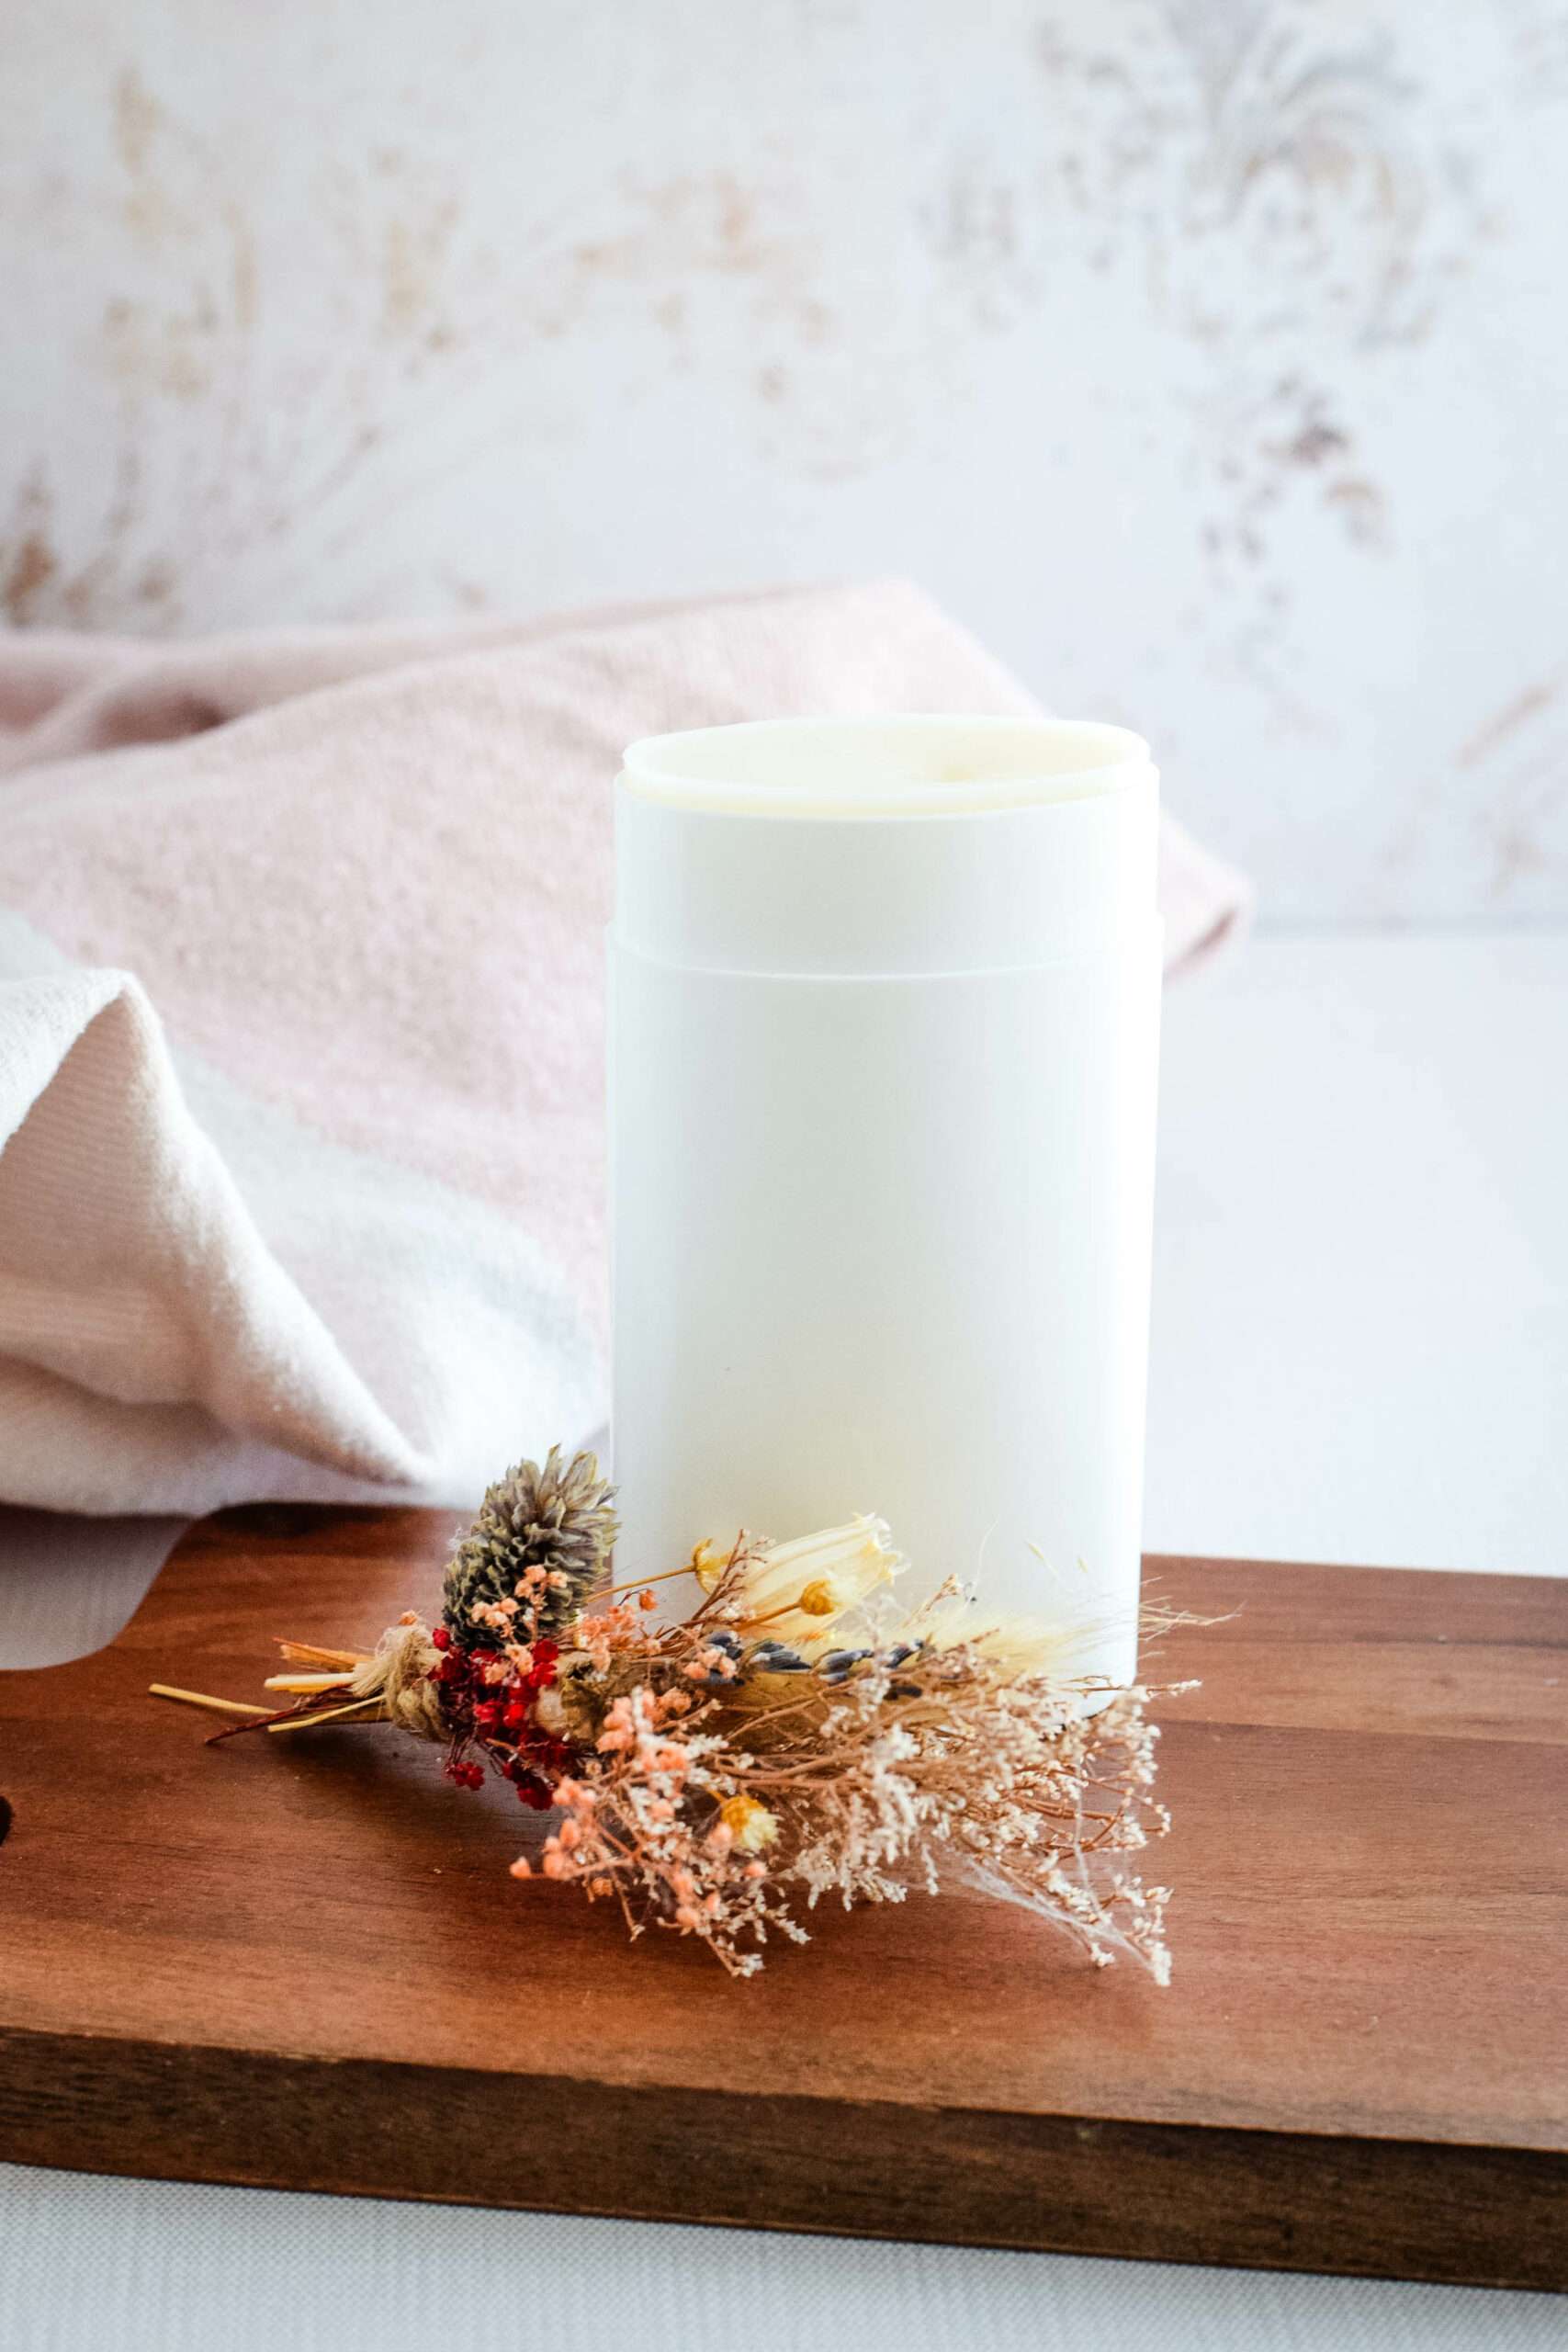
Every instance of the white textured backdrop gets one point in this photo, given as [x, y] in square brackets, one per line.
[1210, 358]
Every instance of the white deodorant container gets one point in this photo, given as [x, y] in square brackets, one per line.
[885, 1016]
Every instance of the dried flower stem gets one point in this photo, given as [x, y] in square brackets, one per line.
[202, 1699]
[330, 1714]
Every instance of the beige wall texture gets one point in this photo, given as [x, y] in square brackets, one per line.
[1209, 358]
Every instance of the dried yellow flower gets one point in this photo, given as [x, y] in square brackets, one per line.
[821, 1599]
[707, 1563]
[751, 1825]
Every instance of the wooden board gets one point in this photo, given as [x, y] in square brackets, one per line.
[302, 1962]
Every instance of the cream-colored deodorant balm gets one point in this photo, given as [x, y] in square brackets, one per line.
[885, 1018]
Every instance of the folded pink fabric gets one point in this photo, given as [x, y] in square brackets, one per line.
[348, 1240]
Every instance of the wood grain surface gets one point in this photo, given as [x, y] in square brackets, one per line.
[302, 1962]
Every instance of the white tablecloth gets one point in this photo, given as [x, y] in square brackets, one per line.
[1361, 1353]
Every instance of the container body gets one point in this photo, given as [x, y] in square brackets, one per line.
[881, 1236]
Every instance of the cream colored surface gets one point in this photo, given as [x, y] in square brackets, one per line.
[883, 767]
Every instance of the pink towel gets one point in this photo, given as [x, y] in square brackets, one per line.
[328, 1222]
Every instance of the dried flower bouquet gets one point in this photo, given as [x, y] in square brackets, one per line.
[795, 1735]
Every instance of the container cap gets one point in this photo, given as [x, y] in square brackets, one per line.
[837, 847]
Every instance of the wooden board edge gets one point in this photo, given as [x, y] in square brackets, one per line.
[1252, 2199]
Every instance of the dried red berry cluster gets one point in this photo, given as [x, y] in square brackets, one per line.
[495, 1714]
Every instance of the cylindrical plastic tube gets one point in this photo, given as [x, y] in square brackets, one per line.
[885, 1007]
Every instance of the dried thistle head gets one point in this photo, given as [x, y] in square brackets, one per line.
[535, 1551]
